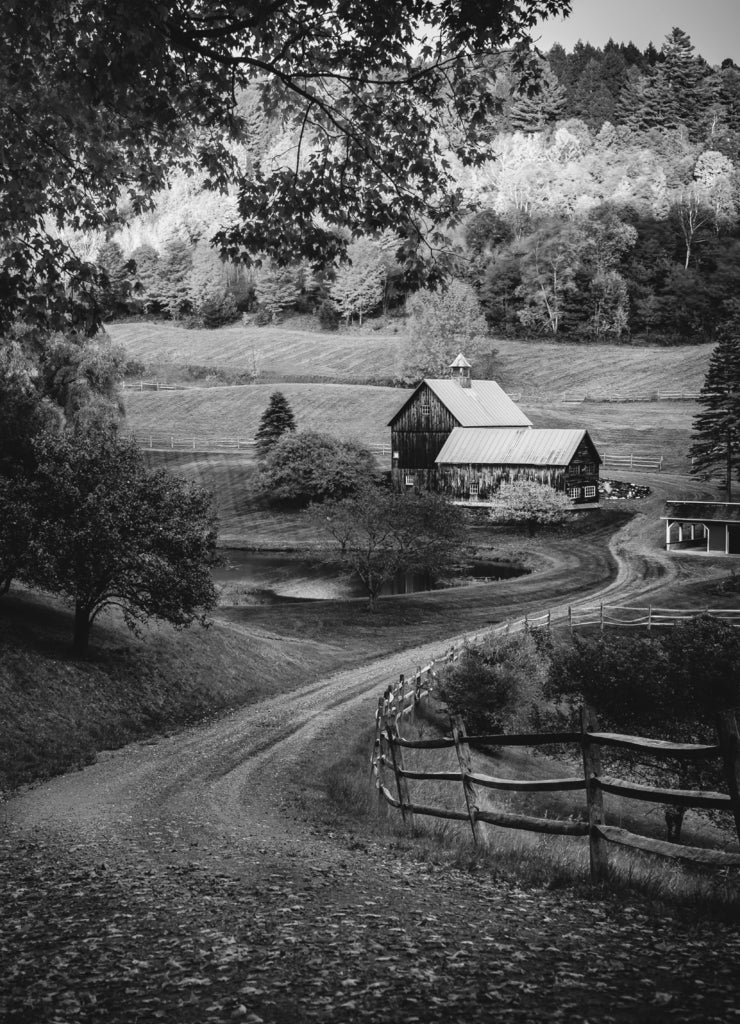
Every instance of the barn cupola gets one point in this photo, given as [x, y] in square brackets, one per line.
[460, 371]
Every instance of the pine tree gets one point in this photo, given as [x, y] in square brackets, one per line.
[533, 113]
[276, 288]
[277, 419]
[684, 73]
[171, 288]
[117, 286]
[146, 261]
[716, 430]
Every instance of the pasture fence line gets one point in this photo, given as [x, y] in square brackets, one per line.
[400, 701]
[173, 441]
[659, 395]
[163, 441]
[632, 460]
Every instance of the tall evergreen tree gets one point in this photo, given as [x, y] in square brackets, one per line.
[716, 429]
[533, 113]
[683, 74]
[276, 420]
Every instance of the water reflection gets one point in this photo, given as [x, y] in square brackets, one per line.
[263, 578]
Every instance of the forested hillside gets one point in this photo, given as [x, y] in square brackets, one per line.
[608, 211]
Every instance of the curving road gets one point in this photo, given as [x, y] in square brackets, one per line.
[212, 859]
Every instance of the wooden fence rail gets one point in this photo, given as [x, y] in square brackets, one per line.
[400, 701]
[660, 395]
[163, 441]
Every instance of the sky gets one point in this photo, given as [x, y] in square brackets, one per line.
[714, 25]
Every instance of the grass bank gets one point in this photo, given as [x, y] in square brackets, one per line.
[58, 712]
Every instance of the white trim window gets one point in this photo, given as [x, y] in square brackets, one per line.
[410, 480]
[574, 492]
[589, 492]
[474, 490]
[425, 409]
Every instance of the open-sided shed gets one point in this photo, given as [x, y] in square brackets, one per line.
[711, 526]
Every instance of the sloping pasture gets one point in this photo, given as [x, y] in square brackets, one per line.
[342, 410]
[528, 368]
[279, 351]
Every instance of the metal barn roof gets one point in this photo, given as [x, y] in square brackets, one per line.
[507, 446]
[483, 404]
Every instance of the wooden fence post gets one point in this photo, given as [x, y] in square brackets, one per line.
[594, 797]
[729, 742]
[650, 617]
[463, 756]
[402, 787]
[601, 616]
[377, 751]
[402, 691]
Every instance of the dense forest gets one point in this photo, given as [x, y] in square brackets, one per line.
[608, 211]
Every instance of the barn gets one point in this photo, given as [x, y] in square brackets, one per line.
[462, 438]
[709, 526]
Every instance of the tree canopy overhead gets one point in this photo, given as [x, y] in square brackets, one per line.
[103, 96]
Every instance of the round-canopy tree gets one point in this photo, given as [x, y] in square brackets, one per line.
[305, 467]
[108, 531]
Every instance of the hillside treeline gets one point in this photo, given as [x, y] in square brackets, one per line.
[608, 210]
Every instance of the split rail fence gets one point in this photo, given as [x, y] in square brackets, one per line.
[203, 443]
[163, 441]
[400, 700]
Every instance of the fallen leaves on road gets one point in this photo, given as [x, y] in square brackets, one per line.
[82, 940]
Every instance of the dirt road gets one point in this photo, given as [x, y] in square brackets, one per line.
[204, 878]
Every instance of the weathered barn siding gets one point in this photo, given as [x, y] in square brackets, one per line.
[581, 473]
[417, 437]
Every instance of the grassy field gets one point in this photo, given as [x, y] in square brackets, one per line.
[530, 368]
[343, 410]
[361, 412]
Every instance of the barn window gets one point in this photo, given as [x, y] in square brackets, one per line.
[425, 408]
[589, 492]
[574, 492]
[474, 490]
[409, 480]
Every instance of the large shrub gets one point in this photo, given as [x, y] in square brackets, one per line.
[498, 686]
[305, 467]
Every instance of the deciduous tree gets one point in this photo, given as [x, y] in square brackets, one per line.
[309, 466]
[440, 325]
[381, 533]
[531, 504]
[104, 95]
[108, 531]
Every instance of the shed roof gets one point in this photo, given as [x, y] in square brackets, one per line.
[703, 511]
[483, 404]
[511, 446]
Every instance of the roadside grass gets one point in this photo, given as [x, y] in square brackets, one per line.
[528, 859]
[58, 712]
[529, 368]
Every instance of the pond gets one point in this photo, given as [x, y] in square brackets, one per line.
[271, 577]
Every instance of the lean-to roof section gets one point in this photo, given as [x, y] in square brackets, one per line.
[519, 446]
